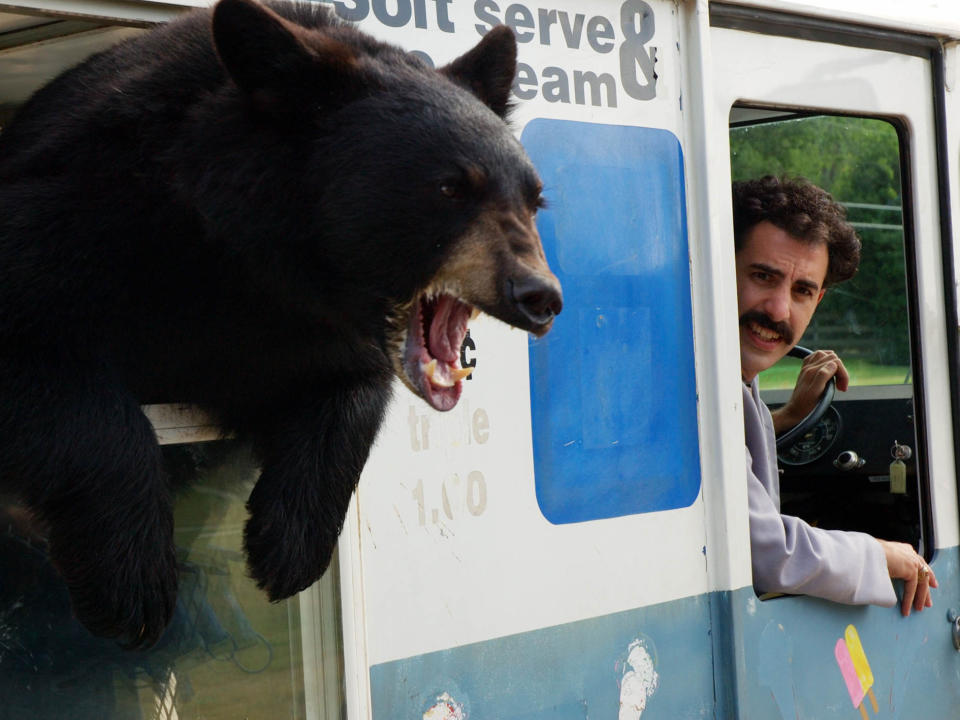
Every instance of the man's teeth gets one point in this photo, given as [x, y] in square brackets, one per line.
[448, 377]
[764, 333]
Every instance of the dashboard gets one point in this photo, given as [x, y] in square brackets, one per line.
[820, 483]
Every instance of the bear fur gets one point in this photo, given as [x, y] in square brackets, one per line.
[262, 211]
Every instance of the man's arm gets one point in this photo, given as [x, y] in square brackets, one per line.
[902, 561]
[790, 556]
[815, 373]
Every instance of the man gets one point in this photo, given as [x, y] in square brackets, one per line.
[792, 243]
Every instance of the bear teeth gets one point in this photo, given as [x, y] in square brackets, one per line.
[430, 368]
[458, 374]
[447, 378]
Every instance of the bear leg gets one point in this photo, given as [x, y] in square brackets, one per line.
[311, 465]
[80, 454]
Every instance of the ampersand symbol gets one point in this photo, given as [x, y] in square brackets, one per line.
[637, 26]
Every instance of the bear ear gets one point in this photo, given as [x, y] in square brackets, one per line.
[488, 69]
[276, 62]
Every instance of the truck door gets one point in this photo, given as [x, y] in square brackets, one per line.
[860, 113]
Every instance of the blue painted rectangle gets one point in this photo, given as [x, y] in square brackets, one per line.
[614, 402]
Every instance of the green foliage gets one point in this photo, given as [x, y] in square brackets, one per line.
[857, 160]
[783, 375]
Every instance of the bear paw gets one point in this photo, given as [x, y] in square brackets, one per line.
[122, 591]
[286, 557]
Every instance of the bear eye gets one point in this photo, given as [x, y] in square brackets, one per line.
[451, 189]
[533, 194]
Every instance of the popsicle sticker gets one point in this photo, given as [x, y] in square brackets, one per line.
[855, 669]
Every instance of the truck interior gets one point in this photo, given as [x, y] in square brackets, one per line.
[36, 48]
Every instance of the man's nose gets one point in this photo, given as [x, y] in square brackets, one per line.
[777, 306]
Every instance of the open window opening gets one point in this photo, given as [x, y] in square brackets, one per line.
[228, 652]
[838, 474]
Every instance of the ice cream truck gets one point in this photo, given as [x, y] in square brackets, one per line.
[571, 541]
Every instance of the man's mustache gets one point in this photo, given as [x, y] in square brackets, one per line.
[765, 321]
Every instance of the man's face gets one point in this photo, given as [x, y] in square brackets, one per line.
[779, 285]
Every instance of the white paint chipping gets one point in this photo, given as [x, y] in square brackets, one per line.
[446, 708]
[639, 681]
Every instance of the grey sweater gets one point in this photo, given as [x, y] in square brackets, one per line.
[790, 556]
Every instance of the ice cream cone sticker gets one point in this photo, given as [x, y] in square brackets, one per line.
[855, 670]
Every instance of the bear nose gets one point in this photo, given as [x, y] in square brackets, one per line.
[538, 297]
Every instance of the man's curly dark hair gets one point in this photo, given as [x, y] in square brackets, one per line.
[803, 210]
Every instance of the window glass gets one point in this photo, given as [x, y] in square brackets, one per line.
[857, 160]
[228, 652]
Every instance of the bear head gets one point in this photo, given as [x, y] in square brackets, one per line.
[423, 215]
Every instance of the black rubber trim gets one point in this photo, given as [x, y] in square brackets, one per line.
[917, 361]
[772, 22]
[937, 64]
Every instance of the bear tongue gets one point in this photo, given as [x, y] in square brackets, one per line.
[448, 328]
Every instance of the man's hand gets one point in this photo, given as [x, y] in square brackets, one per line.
[905, 564]
[817, 369]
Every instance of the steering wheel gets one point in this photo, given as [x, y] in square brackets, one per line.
[791, 436]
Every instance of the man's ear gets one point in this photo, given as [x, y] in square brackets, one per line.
[275, 61]
[823, 291]
[488, 69]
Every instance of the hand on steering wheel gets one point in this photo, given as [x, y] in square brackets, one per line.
[837, 372]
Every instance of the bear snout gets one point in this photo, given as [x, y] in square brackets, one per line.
[538, 298]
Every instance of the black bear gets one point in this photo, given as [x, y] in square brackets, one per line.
[265, 212]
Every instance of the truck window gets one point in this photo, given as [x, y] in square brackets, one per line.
[838, 474]
[227, 653]
[858, 160]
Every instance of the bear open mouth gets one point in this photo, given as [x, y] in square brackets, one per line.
[431, 356]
